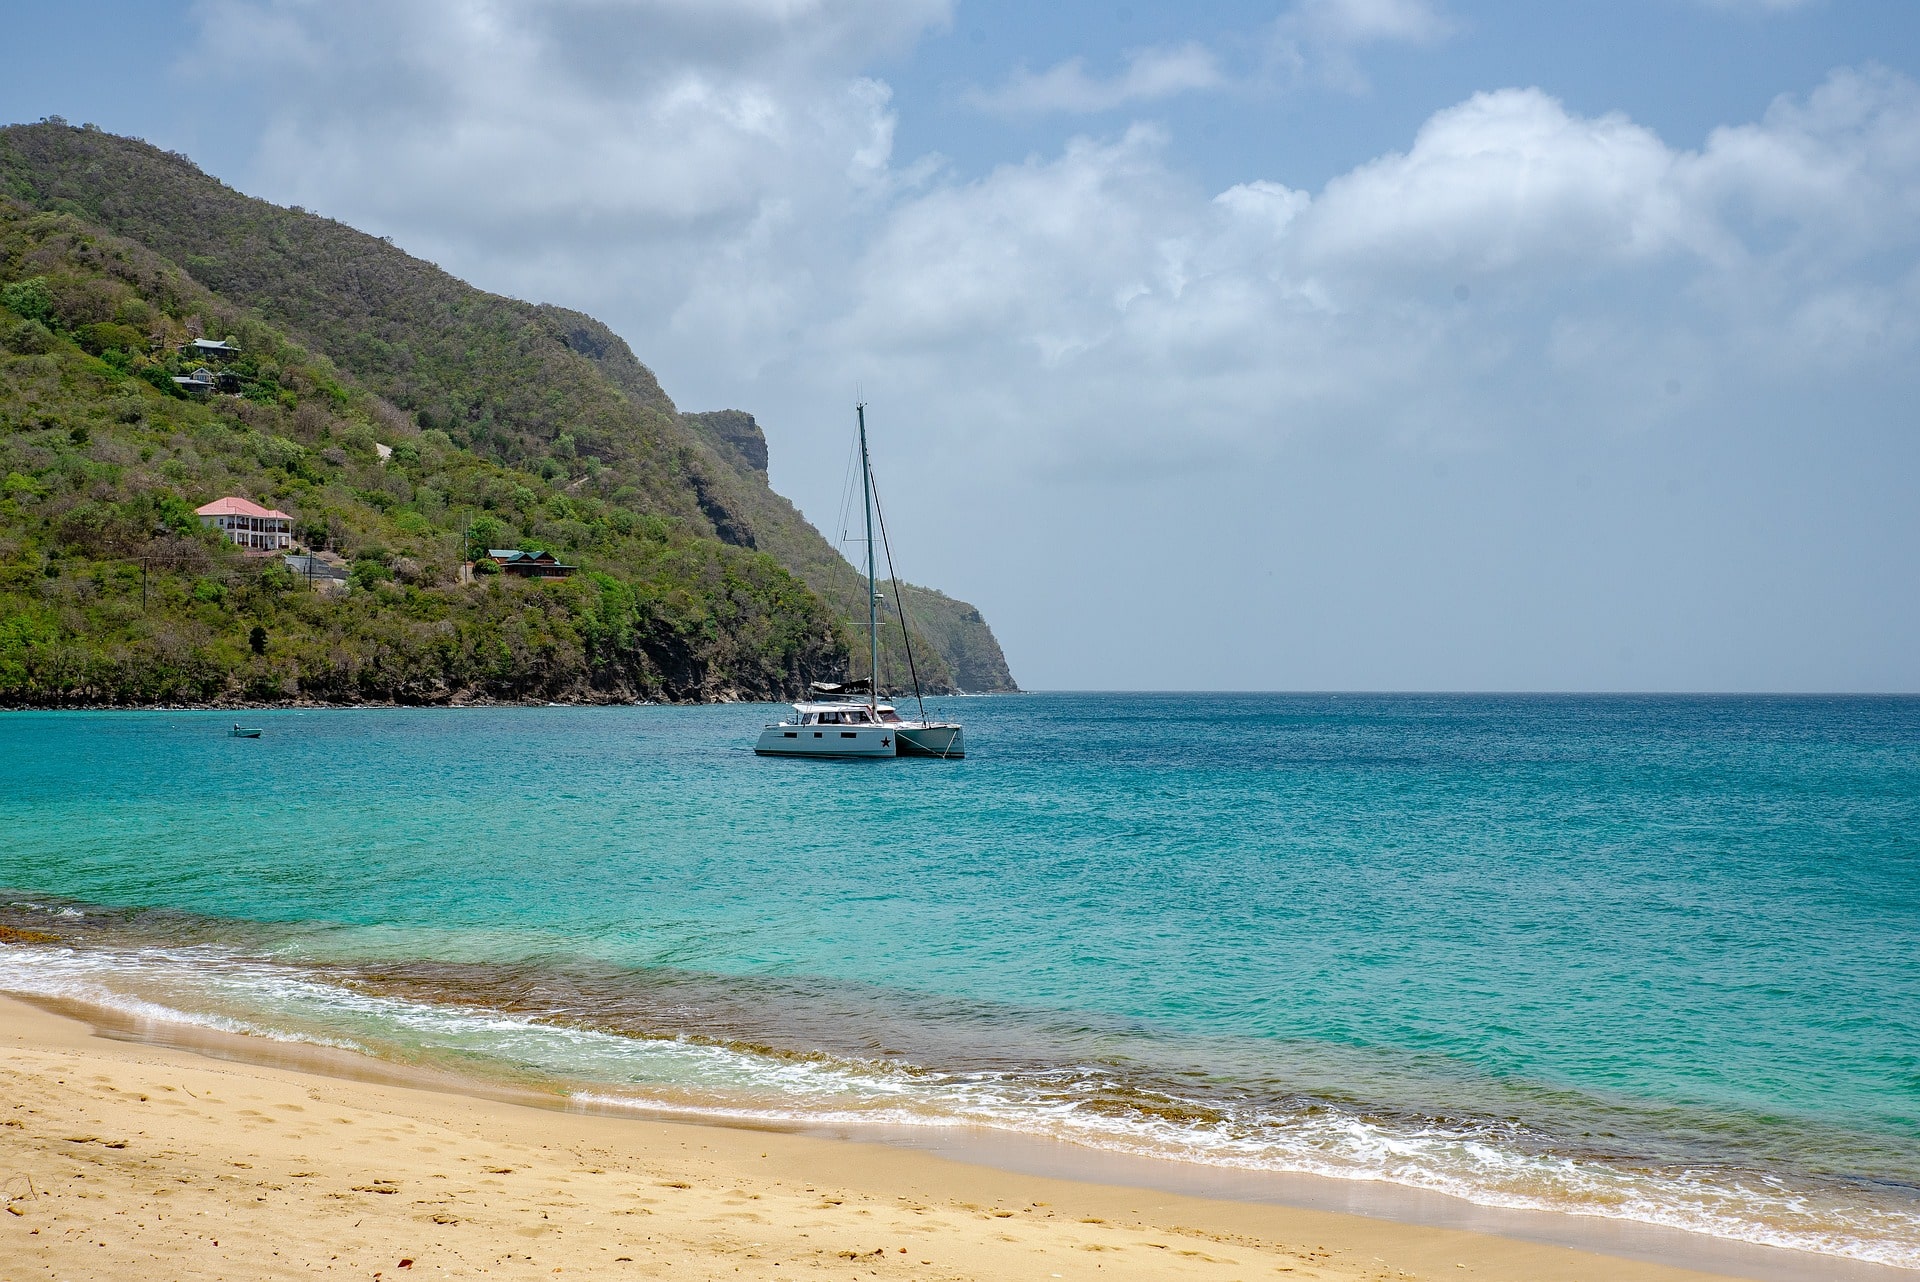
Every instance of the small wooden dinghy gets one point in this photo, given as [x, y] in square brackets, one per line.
[245, 732]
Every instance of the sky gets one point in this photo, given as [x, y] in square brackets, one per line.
[1301, 345]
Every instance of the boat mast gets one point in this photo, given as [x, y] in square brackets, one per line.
[873, 602]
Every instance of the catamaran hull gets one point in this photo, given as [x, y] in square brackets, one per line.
[827, 741]
[938, 740]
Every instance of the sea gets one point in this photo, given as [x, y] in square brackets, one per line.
[1651, 960]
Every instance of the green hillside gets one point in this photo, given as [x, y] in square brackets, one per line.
[537, 388]
[111, 591]
[509, 424]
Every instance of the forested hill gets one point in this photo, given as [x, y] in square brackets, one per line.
[351, 338]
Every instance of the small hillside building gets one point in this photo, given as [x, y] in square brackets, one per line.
[248, 525]
[205, 382]
[530, 565]
[321, 571]
[209, 347]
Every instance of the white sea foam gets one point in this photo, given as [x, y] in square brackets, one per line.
[210, 988]
[114, 982]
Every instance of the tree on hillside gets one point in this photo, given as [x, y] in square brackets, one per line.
[482, 533]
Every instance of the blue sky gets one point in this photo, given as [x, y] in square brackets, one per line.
[1681, 67]
[1313, 344]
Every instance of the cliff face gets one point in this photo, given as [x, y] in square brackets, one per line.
[735, 435]
[539, 389]
[953, 648]
[961, 637]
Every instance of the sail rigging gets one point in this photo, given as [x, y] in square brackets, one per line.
[862, 725]
[873, 599]
[899, 598]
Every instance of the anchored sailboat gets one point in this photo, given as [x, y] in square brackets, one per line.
[848, 719]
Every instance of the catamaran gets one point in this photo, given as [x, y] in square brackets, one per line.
[848, 719]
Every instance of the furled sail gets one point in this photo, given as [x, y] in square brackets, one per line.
[863, 686]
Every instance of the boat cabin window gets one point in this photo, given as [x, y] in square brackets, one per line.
[854, 716]
[889, 716]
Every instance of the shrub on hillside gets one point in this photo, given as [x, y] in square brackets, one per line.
[28, 338]
[30, 299]
[106, 336]
[277, 451]
[366, 573]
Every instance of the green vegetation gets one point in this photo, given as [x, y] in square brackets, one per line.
[111, 590]
[532, 416]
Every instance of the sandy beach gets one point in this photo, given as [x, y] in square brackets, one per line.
[123, 1160]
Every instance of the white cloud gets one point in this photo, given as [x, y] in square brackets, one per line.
[1507, 182]
[1319, 40]
[1356, 22]
[720, 184]
[719, 181]
[531, 143]
[1067, 87]
[1572, 261]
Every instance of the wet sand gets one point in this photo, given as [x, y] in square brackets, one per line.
[124, 1159]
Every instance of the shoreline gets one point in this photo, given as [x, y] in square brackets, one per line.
[305, 705]
[107, 1068]
[319, 705]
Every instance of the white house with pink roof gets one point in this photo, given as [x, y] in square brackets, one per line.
[247, 524]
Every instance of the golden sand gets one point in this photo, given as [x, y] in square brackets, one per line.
[130, 1160]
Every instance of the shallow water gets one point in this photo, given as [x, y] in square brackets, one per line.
[1650, 958]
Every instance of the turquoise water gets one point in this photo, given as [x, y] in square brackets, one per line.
[1650, 958]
